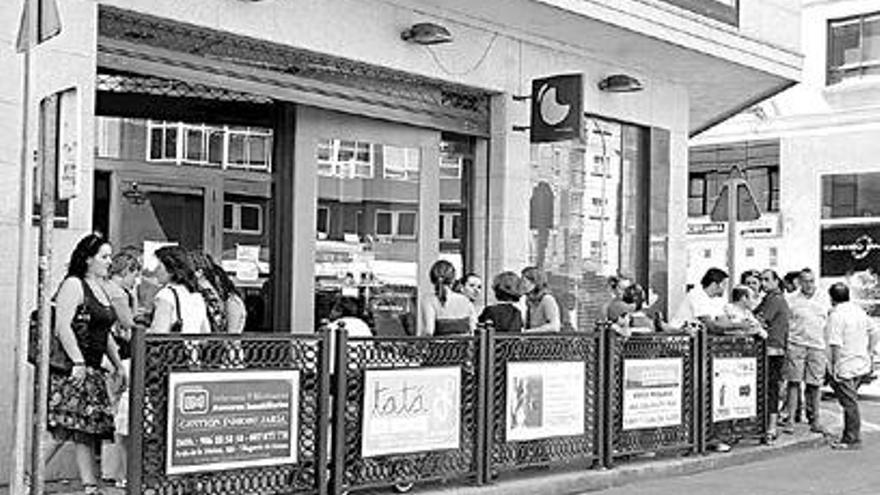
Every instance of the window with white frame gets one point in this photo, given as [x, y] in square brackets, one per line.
[450, 226]
[853, 47]
[400, 163]
[396, 224]
[243, 148]
[450, 166]
[242, 218]
[346, 159]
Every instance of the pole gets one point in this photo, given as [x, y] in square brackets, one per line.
[21, 385]
[732, 214]
[48, 163]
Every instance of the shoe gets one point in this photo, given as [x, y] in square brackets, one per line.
[786, 427]
[846, 445]
[120, 484]
[770, 438]
[721, 447]
[817, 428]
[92, 490]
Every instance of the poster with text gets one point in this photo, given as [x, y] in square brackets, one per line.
[231, 420]
[734, 387]
[411, 410]
[544, 399]
[652, 390]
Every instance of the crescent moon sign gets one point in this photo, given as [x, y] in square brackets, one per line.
[552, 112]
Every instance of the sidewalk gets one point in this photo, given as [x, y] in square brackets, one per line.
[566, 482]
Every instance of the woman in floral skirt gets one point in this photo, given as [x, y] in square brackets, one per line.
[79, 406]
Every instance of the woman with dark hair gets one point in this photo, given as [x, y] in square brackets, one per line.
[505, 315]
[471, 286]
[233, 302]
[178, 308]
[203, 267]
[542, 312]
[444, 311]
[79, 406]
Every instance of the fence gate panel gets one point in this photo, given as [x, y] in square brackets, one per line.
[543, 400]
[653, 393]
[223, 414]
[734, 398]
[409, 410]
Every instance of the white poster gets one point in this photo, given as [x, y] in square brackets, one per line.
[544, 399]
[69, 169]
[411, 410]
[652, 390]
[734, 387]
[247, 259]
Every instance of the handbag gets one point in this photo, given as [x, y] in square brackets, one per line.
[59, 361]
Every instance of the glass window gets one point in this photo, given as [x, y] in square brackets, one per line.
[383, 223]
[577, 209]
[851, 195]
[854, 47]
[246, 218]
[366, 264]
[247, 148]
[228, 212]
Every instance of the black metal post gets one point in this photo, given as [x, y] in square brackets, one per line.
[701, 393]
[136, 412]
[337, 432]
[487, 411]
[607, 418]
[600, 393]
[324, 436]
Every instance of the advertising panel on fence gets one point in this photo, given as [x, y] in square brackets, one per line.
[544, 399]
[652, 390]
[231, 419]
[734, 388]
[411, 410]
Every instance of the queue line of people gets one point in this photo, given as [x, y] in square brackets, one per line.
[811, 338]
[96, 311]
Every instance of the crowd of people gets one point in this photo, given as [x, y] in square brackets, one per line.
[812, 338]
[97, 307]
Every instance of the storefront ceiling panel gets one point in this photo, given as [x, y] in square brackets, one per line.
[139, 43]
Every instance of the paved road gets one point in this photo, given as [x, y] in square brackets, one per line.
[820, 471]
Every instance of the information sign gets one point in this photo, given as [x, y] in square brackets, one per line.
[544, 399]
[652, 390]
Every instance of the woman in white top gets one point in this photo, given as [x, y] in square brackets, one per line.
[179, 308]
[445, 312]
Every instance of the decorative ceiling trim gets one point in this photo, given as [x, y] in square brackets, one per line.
[134, 42]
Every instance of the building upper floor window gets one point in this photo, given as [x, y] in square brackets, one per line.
[242, 218]
[396, 224]
[853, 47]
[710, 167]
[227, 147]
[401, 163]
[450, 226]
[851, 195]
[346, 159]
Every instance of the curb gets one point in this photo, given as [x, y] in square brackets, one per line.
[565, 483]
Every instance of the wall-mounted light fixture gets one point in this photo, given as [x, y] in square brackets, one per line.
[620, 83]
[426, 33]
[134, 195]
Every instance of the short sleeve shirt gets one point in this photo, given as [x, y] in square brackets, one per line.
[849, 329]
[808, 318]
[698, 304]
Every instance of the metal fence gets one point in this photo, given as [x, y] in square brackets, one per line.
[159, 357]
[401, 410]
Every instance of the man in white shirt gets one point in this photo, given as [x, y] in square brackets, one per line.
[705, 304]
[852, 336]
[805, 354]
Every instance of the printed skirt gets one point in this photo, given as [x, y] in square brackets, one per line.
[80, 411]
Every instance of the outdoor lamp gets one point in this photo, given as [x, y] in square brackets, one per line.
[620, 83]
[426, 33]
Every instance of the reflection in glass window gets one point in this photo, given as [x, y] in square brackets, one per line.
[851, 195]
[400, 163]
[854, 47]
[244, 218]
[246, 148]
[366, 255]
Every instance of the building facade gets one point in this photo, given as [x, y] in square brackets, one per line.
[319, 155]
[810, 155]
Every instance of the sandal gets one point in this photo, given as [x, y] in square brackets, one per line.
[770, 437]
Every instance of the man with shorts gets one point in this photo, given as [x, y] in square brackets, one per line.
[805, 355]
